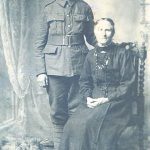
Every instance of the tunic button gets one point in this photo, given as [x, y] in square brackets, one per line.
[67, 15]
[69, 26]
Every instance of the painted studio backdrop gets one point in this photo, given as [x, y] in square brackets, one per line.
[24, 107]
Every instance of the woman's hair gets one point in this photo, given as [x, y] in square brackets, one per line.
[106, 19]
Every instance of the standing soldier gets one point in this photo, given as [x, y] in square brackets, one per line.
[60, 54]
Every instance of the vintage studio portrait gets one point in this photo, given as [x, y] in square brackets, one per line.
[74, 75]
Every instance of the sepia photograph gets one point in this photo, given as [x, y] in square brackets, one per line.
[74, 75]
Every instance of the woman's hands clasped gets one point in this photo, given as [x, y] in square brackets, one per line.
[93, 102]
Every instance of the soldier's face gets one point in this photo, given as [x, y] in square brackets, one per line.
[104, 32]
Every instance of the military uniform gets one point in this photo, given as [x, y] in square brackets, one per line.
[63, 26]
[61, 50]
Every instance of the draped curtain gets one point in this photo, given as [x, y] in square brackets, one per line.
[17, 29]
[14, 33]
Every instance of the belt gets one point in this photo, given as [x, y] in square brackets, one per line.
[102, 84]
[67, 40]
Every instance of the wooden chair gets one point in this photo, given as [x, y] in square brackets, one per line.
[139, 56]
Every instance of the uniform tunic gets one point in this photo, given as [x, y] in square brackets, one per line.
[108, 72]
[60, 45]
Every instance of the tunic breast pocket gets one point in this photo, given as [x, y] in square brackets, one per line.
[56, 24]
[79, 22]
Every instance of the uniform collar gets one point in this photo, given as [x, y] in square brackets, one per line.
[64, 2]
[71, 2]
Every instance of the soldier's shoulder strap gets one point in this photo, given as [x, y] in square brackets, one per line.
[44, 3]
[83, 2]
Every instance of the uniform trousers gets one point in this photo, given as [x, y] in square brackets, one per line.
[63, 98]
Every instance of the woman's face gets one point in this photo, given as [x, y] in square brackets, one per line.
[104, 32]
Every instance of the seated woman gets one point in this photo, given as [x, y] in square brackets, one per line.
[106, 89]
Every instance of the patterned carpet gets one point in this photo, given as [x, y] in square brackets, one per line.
[128, 141]
[34, 144]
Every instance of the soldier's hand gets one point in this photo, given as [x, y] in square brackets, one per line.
[42, 80]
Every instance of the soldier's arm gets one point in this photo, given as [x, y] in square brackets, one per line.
[89, 28]
[40, 42]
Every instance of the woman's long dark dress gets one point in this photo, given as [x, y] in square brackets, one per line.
[108, 72]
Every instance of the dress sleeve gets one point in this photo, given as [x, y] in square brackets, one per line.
[127, 77]
[86, 82]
